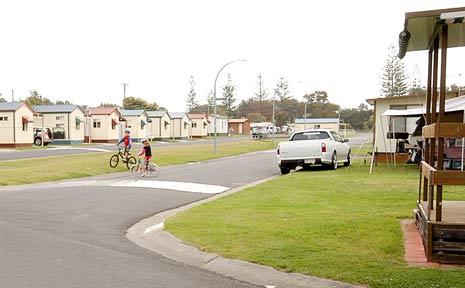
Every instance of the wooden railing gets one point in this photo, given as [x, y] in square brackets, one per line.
[442, 177]
[444, 130]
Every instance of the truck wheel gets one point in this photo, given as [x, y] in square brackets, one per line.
[38, 141]
[284, 170]
[334, 161]
[347, 163]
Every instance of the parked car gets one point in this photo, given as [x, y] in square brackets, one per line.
[310, 147]
[48, 137]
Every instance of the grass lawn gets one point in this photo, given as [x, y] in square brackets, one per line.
[28, 171]
[342, 224]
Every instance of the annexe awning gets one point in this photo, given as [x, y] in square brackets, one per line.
[454, 104]
[114, 122]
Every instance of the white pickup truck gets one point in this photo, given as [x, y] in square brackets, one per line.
[309, 147]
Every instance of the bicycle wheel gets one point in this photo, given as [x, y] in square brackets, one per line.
[114, 160]
[154, 169]
[134, 169]
[131, 161]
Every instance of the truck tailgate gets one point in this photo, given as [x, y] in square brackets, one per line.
[300, 149]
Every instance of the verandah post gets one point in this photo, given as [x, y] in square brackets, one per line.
[442, 108]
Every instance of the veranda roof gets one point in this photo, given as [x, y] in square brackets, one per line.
[454, 104]
[420, 27]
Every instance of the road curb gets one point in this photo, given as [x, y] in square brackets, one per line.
[148, 233]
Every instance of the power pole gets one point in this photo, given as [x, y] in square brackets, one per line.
[124, 90]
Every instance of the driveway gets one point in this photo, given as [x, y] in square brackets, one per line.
[72, 234]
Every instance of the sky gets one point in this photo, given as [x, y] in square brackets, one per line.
[82, 51]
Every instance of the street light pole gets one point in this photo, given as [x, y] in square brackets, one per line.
[214, 102]
[273, 124]
[305, 114]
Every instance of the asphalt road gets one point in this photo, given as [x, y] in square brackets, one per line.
[6, 154]
[72, 234]
[58, 150]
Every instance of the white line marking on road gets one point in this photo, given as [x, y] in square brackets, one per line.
[7, 150]
[160, 142]
[80, 148]
[183, 141]
[155, 227]
[172, 185]
[270, 286]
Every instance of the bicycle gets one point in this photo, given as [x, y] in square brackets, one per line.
[114, 159]
[140, 168]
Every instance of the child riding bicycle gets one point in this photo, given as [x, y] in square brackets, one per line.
[146, 151]
[127, 143]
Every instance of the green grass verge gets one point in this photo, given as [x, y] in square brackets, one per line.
[54, 168]
[343, 225]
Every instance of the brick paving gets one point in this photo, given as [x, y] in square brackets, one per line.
[414, 251]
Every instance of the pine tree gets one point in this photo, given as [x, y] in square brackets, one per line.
[261, 93]
[393, 80]
[228, 97]
[210, 102]
[191, 101]
[283, 109]
[281, 91]
[416, 88]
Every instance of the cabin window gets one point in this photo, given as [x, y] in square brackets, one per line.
[194, 125]
[97, 123]
[3, 118]
[60, 118]
[316, 126]
[60, 125]
[25, 126]
[186, 125]
[78, 125]
[167, 124]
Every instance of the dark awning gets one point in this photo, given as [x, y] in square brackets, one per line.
[27, 119]
[114, 122]
[78, 120]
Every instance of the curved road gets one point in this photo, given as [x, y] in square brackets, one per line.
[58, 150]
[12, 154]
[72, 234]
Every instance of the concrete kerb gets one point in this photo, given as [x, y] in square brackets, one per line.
[164, 243]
